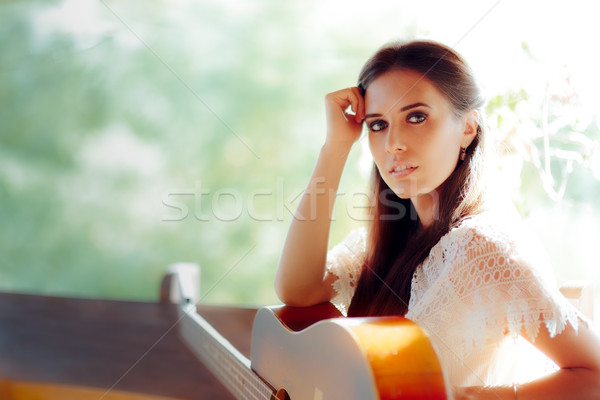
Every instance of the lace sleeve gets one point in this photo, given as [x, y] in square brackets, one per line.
[490, 285]
[510, 289]
[345, 261]
[481, 281]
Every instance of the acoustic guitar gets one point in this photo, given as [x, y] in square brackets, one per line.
[315, 353]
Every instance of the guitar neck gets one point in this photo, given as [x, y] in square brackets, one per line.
[230, 366]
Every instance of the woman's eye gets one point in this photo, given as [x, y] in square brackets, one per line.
[377, 126]
[416, 118]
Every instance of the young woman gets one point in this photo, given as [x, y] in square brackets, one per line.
[434, 250]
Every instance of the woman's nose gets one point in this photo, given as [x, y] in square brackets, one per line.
[396, 140]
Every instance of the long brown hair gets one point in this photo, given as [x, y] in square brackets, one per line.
[396, 243]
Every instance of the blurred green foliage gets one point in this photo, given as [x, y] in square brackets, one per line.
[137, 137]
[134, 137]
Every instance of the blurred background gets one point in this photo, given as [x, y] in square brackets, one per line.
[137, 135]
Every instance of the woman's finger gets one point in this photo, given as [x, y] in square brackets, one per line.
[360, 105]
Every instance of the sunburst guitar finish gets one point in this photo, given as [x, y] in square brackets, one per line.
[344, 358]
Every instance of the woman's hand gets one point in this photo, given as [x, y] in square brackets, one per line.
[343, 127]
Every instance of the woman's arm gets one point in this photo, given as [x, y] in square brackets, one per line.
[578, 356]
[301, 278]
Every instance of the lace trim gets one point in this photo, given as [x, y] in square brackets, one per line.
[345, 260]
[477, 283]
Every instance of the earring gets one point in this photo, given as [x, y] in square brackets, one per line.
[463, 153]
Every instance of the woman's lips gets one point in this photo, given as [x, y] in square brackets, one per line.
[403, 170]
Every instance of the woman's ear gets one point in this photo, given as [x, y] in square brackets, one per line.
[471, 123]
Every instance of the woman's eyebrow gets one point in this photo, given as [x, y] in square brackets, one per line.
[414, 106]
[405, 108]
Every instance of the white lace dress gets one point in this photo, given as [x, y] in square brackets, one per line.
[480, 281]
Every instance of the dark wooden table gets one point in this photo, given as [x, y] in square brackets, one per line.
[104, 344]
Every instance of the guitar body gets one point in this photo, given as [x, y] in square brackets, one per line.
[312, 353]
[344, 358]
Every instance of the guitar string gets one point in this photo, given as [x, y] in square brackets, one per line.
[216, 358]
[255, 383]
[234, 372]
[228, 368]
[247, 376]
[241, 388]
[221, 366]
[228, 361]
[218, 371]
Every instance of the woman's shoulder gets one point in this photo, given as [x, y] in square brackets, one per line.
[494, 236]
[502, 228]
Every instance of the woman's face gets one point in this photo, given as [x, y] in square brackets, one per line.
[414, 136]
